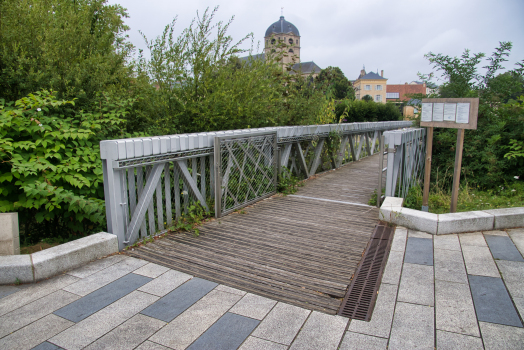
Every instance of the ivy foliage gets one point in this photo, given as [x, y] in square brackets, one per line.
[50, 170]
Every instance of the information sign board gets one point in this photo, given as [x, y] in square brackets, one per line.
[456, 113]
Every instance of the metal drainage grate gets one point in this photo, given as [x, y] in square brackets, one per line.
[360, 298]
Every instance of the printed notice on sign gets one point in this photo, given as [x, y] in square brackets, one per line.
[463, 113]
[450, 109]
[438, 112]
[427, 111]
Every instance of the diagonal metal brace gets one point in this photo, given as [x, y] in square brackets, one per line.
[192, 184]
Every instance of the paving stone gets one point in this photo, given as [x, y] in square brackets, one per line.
[129, 334]
[393, 268]
[472, 239]
[497, 337]
[448, 242]
[151, 270]
[502, 248]
[513, 275]
[356, 341]
[413, 327]
[495, 233]
[91, 303]
[419, 234]
[253, 306]
[34, 292]
[165, 283]
[193, 322]
[449, 266]
[417, 285]
[492, 302]
[29, 313]
[227, 289]
[177, 301]
[282, 324]
[454, 308]
[517, 236]
[95, 266]
[149, 345]
[380, 323]
[6, 290]
[320, 331]
[519, 303]
[254, 343]
[399, 239]
[453, 341]
[35, 333]
[479, 261]
[95, 326]
[46, 346]
[227, 333]
[419, 251]
[103, 277]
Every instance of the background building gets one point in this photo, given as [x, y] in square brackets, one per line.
[370, 84]
[399, 92]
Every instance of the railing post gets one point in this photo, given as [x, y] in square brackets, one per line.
[380, 169]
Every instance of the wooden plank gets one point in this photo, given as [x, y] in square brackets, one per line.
[456, 172]
[427, 169]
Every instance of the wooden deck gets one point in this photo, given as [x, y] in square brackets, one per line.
[301, 249]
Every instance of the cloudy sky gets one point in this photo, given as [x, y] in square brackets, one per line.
[380, 34]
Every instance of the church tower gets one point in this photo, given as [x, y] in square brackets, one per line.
[283, 32]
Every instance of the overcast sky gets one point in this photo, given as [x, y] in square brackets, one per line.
[380, 34]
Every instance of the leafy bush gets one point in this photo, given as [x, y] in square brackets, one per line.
[350, 111]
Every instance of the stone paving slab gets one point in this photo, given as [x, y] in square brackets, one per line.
[497, 337]
[254, 343]
[5, 290]
[320, 331]
[413, 327]
[513, 274]
[149, 345]
[399, 239]
[417, 284]
[165, 283]
[419, 251]
[502, 248]
[449, 266]
[447, 242]
[253, 306]
[472, 239]
[46, 346]
[479, 261]
[95, 266]
[356, 341]
[517, 236]
[393, 268]
[151, 270]
[454, 341]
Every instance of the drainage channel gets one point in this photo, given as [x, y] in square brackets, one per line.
[360, 298]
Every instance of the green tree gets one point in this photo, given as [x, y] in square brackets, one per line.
[333, 81]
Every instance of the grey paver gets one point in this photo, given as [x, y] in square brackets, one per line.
[492, 302]
[34, 292]
[356, 341]
[29, 313]
[91, 303]
[227, 289]
[417, 284]
[6, 290]
[502, 248]
[165, 283]
[105, 276]
[227, 333]
[419, 251]
[496, 336]
[475, 239]
[479, 261]
[519, 303]
[35, 333]
[453, 341]
[253, 306]
[495, 233]
[151, 270]
[399, 239]
[193, 322]
[413, 327]
[282, 324]
[149, 345]
[513, 275]
[419, 234]
[254, 343]
[129, 334]
[448, 242]
[382, 317]
[95, 326]
[177, 301]
[454, 308]
[393, 268]
[517, 236]
[320, 331]
[449, 266]
[96, 266]
[46, 346]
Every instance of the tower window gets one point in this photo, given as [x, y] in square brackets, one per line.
[273, 41]
[291, 41]
[290, 50]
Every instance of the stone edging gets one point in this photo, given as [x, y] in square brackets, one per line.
[440, 224]
[53, 261]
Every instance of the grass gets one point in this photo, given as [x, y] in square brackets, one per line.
[37, 247]
[469, 199]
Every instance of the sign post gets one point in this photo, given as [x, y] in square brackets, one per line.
[455, 113]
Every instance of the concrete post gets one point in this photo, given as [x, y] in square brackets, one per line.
[9, 234]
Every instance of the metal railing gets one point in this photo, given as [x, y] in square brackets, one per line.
[405, 150]
[150, 182]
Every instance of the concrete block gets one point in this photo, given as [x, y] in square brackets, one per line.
[413, 327]
[454, 308]
[67, 256]
[417, 285]
[9, 234]
[417, 220]
[392, 202]
[507, 217]
[469, 221]
[356, 341]
[449, 266]
[496, 336]
[282, 324]
[453, 341]
[253, 306]
[253, 343]
[320, 331]
[14, 267]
